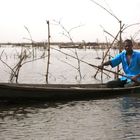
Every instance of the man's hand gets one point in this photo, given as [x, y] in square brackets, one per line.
[101, 66]
[135, 79]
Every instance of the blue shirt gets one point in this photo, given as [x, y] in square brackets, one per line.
[130, 70]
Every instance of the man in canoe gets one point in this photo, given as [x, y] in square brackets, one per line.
[130, 60]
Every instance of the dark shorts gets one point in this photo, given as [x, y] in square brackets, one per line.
[116, 83]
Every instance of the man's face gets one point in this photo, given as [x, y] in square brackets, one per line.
[128, 46]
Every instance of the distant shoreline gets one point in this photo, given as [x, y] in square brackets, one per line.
[80, 45]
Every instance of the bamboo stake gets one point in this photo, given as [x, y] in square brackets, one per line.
[30, 38]
[68, 35]
[102, 70]
[108, 51]
[48, 49]
[16, 69]
[113, 15]
[76, 58]
[120, 46]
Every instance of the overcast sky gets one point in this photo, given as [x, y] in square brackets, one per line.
[88, 17]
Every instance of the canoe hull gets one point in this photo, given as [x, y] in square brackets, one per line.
[53, 92]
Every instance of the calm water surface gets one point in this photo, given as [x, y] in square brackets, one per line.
[108, 119]
[62, 68]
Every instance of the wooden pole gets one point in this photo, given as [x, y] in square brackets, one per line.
[120, 47]
[108, 50]
[48, 50]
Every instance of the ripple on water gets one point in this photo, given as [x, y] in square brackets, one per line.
[77, 120]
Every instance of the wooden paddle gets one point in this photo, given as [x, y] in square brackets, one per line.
[137, 82]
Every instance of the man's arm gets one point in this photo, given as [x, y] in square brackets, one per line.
[135, 78]
[104, 64]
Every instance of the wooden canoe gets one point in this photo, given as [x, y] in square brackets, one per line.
[53, 92]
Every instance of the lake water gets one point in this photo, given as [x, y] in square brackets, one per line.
[62, 68]
[106, 119]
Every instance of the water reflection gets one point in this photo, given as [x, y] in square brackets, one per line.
[76, 120]
[130, 116]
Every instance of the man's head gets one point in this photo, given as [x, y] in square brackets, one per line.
[128, 46]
